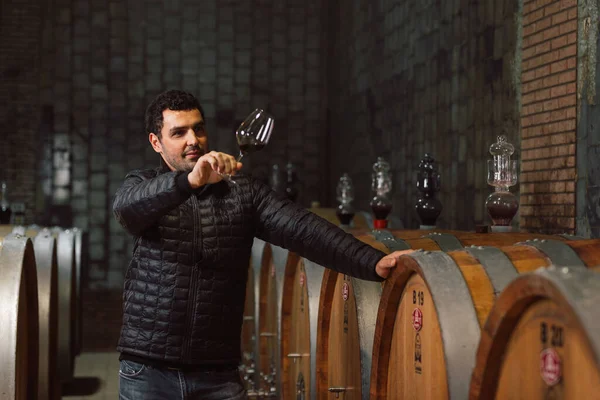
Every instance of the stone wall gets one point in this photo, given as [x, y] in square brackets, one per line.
[420, 76]
[104, 61]
[20, 25]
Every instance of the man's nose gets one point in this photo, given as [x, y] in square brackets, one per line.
[192, 139]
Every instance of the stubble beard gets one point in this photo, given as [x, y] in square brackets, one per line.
[180, 163]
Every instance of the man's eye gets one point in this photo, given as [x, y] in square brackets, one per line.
[199, 129]
[177, 133]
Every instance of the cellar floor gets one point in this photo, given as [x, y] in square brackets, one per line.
[96, 377]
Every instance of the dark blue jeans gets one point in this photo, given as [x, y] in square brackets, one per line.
[143, 382]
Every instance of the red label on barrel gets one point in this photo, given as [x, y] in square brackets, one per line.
[345, 291]
[302, 278]
[417, 319]
[550, 366]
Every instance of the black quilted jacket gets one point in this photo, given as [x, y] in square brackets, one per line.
[185, 286]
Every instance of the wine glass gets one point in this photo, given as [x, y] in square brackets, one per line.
[253, 134]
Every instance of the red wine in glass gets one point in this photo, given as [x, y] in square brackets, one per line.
[253, 134]
[251, 148]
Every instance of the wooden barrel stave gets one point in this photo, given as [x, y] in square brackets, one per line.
[296, 348]
[269, 327]
[475, 273]
[47, 271]
[79, 237]
[299, 328]
[20, 325]
[332, 367]
[550, 311]
[66, 302]
[256, 259]
[248, 337]
[366, 296]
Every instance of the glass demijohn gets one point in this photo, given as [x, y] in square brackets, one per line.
[345, 195]
[502, 205]
[381, 185]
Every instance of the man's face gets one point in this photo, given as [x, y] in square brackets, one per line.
[183, 139]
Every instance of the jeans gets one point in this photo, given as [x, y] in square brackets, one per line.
[143, 382]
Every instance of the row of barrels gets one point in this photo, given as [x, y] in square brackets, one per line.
[40, 334]
[468, 316]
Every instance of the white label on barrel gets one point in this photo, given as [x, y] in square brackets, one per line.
[550, 366]
[302, 278]
[345, 291]
[417, 319]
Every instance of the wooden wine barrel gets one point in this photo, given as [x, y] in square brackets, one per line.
[274, 263]
[542, 339]
[299, 312]
[339, 350]
[19, 331]
[434, 304]
[345, 331]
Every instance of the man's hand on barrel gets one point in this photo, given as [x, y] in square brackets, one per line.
[385, 265]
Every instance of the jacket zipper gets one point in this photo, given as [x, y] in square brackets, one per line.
[191, 306]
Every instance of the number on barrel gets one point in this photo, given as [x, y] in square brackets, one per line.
[418, 297]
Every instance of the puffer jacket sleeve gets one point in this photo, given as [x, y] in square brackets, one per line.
[144, 197]
[285, 224]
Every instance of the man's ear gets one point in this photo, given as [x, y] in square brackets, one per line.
[155, 142]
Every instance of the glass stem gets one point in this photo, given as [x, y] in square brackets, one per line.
[240, 156]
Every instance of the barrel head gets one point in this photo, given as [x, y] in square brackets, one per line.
[542, 338]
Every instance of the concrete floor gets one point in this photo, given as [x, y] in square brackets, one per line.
[96, 377]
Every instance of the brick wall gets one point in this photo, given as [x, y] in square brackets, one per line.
[420, 76]
[549, 115]
[104, 61]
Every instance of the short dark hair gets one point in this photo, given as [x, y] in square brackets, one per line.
[176, 100]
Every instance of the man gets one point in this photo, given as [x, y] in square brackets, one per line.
[185, 285]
